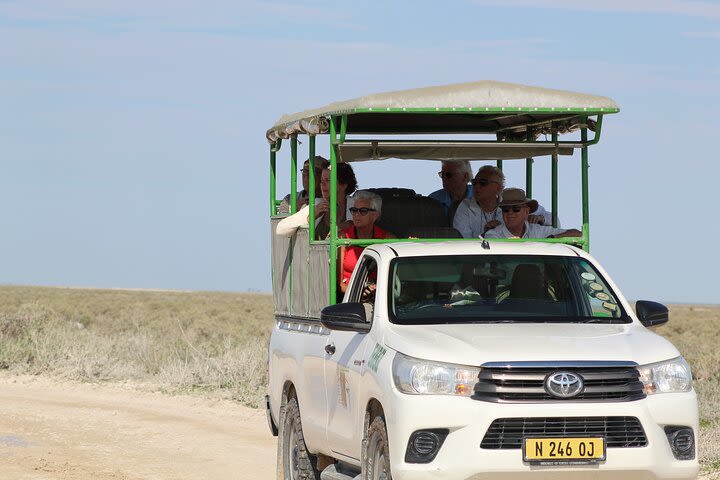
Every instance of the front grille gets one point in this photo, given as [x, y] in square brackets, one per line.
[619, 432]
[527, 384]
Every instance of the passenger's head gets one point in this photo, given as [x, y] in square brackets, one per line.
[488, 184]
[320, 163]
[366, 208]
[346, 182]
[516, 207]
[455, 174]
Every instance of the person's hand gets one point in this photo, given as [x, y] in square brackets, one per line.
[538, 219]
[322, 208]
[368, 293]
[491, 224]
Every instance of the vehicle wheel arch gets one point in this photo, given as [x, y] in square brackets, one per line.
[373, 409]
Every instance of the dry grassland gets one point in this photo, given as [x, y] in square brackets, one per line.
[175, 341]
[216, 343]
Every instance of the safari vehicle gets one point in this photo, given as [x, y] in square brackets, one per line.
[475, 358]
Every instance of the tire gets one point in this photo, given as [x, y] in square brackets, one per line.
[376, 457]
[294, 461]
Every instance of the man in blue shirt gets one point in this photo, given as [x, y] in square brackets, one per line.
[456, 175]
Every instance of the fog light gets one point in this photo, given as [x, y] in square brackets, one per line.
[682, 442]
[424, 445]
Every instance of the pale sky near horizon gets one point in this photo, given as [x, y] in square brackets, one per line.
[132, 133]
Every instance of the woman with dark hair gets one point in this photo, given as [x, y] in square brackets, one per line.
[346, 185]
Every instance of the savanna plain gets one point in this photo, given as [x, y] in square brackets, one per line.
[202, 352]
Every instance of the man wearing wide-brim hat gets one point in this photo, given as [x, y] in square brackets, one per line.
[516, 208]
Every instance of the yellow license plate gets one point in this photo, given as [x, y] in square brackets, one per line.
[564, 449]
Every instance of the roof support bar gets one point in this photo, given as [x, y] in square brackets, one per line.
[343, 127]
[333, 216]
[585, 194]
[598, 130]
[528, 168]
[273, 164]
[554, 183]
[293, 174]
[492, 143]
[311, 188]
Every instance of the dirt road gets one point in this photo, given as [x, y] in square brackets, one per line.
[63, 431]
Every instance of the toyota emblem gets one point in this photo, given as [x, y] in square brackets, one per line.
[564, 384]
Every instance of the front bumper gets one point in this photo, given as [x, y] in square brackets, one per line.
[461, 457]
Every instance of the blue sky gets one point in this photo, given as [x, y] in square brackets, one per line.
[132, 132]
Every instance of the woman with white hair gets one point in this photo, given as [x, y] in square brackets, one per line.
[365, 212]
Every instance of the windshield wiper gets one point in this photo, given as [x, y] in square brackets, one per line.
[600, 320]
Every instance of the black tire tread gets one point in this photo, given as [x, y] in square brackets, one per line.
[376, 431]
[305, 460]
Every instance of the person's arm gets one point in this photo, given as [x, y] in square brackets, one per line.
[494, 233]
[289, 225]
[567, 233]
[341, 260]
[461, 222]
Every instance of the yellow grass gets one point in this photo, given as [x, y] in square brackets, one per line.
[216, 343]
[175, 341]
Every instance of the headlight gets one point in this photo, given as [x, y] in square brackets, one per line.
[423, 377]
[666, 377]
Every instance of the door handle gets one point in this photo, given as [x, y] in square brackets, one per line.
[330, 349]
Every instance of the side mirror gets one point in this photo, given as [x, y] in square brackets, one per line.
[348, 317]
[651, 314]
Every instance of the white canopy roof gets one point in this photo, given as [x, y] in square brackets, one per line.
[484, 97]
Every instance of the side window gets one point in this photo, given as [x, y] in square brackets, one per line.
[363, 289]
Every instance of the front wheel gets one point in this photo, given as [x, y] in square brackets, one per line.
[294, 461]
[376, 458]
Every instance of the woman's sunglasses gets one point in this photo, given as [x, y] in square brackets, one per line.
[482, 181]
[362, 211]
[514, 208]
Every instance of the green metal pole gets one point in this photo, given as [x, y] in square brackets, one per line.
[293, 174]
[528, 168]
[499, 164]
[333, 214]
[272, 180]
[554, 181]
[343, 128]
[311, 189]
[585, 194]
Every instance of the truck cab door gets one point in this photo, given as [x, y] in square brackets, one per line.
[345, 367]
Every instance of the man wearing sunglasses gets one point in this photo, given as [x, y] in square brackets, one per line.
[516, 208]
[455, 176]
[480, 213]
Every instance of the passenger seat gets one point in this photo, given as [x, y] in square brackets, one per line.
[404, 215]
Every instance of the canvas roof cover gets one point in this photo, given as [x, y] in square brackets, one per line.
[474, 107]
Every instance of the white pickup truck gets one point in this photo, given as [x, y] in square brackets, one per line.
[481, 360]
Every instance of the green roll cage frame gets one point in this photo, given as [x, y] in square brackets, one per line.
[338, 127]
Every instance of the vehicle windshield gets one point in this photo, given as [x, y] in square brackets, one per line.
[500, 288]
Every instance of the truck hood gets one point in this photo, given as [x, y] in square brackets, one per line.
[475, 344]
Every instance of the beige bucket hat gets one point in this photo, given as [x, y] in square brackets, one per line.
[516, 196]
